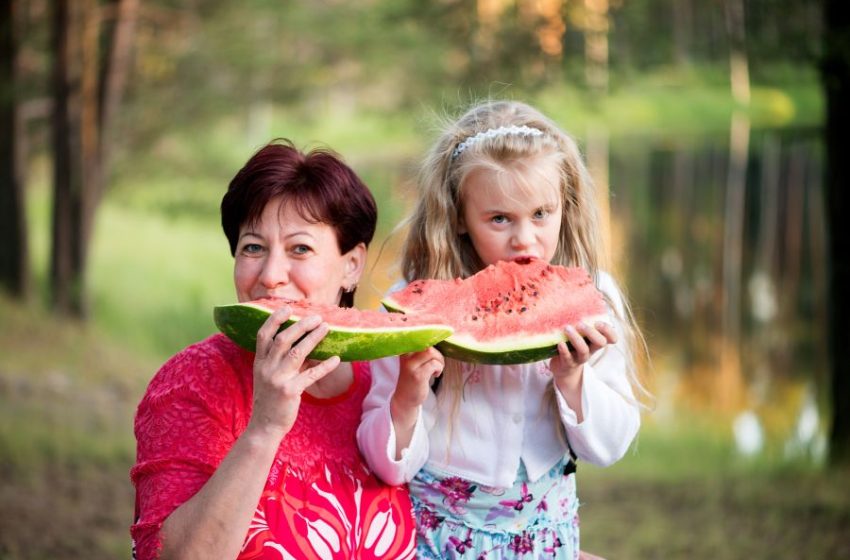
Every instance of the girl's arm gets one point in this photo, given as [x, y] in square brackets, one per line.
[594, 396]
[610, 415]
[393, 432]
[214, 522]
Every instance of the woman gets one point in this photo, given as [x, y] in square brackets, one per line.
[244, 455]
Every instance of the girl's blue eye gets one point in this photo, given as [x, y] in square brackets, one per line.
[540, 214]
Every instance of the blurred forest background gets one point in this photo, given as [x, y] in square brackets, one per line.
[707, 125]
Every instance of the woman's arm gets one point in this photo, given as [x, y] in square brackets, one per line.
[214, 522]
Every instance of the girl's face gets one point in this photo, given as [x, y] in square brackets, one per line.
[515, 215]
[285, 256]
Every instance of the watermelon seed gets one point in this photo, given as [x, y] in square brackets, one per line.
[523, 309]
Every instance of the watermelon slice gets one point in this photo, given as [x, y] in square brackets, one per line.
[509, 313]
[354, 334]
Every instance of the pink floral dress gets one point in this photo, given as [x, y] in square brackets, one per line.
[320, 498]
[457, 518]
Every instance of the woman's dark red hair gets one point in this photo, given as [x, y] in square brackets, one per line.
[319, 185]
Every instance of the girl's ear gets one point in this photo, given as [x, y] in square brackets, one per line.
[355, 263]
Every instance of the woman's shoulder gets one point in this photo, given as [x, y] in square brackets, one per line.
[214, 364]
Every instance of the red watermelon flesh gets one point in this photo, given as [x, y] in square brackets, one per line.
[354, 334]
[510, 312]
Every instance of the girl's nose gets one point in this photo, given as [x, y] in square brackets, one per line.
[523, 236]
[275, 271]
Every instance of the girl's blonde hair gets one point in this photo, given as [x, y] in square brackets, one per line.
[434, 247]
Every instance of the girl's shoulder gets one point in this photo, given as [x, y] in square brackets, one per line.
[608, 285]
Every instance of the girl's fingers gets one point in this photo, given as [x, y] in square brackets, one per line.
[581, 352]
[593, 336]
[425, 362]
[565, 355]
[607, 331]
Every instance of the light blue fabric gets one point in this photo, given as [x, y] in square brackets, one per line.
[457, 518]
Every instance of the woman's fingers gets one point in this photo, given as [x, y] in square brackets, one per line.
[299, 339]
[266, 333]
[313, 374]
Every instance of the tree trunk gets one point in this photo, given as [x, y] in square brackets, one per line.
[113, 80]
[75, 145]
[86, 97]
[596, 26]
[683, 20]
[836, 80]
[739, 70]
[14, 248]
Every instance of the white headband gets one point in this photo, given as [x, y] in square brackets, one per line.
[512, 130]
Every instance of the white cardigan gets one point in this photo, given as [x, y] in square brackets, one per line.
[504, 417]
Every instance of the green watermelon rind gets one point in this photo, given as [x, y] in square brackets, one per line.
[241, 321]
[520, 350]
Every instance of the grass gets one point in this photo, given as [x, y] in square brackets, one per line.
[68, 392]
[67, 396]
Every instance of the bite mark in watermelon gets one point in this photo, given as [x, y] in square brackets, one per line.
[509, 313]
[354, 334]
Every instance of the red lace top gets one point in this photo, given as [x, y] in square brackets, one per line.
[320, 499]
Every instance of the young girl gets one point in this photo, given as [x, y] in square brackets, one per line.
[490, 454]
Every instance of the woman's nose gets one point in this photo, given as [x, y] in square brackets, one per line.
[275, 271]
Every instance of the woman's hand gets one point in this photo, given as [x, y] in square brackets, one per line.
[568, 366]
[416, 371]
[280, 376]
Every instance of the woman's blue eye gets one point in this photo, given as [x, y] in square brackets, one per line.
[301, 249]
[499, 219]
[252, 248]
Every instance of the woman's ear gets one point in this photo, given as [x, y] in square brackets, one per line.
[355, 263]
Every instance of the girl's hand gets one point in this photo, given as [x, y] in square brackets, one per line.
[416, 371]
[279, 379]
[568, 366]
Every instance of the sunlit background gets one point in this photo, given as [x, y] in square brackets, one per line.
[701, 123]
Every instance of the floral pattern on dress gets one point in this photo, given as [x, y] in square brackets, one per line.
[336, 516]
[320, 499]
[457, 518]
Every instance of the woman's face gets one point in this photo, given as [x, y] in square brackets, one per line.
[285, 256]
[513, 216]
